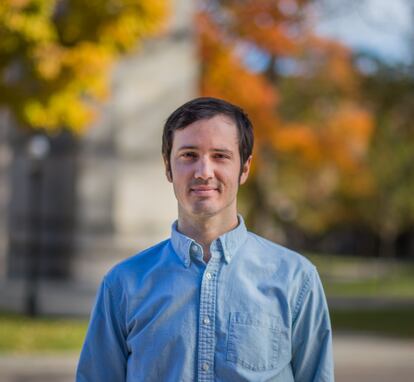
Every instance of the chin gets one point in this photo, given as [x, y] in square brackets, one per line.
[204, 210]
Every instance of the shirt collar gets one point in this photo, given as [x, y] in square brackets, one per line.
[226, 244]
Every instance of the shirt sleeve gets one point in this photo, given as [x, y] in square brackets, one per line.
[312, 359]
[104, 354]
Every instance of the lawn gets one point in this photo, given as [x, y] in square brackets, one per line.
[23, 335]
[346, 276]
[397, 322]
[377, 279]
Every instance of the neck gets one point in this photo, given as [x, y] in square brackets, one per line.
[206, 229]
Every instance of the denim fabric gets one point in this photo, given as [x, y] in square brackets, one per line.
[255, 312]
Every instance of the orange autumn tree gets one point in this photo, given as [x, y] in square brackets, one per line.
[55, 55]
[302, 94]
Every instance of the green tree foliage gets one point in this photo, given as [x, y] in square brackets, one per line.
[389, 210]
[55, 55]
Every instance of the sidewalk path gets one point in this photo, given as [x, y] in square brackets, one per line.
[357, 358]
[372, 359]
[42, 368]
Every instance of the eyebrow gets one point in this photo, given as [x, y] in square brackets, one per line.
[216, 150]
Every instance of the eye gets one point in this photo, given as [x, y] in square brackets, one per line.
[189, 154]
[221, 156]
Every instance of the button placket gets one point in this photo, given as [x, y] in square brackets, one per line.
[207, 313]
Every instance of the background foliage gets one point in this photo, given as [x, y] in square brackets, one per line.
[55, 55]
[334, 142]
[335, 145]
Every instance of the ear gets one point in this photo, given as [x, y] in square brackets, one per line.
[168, 173]
[245, 170]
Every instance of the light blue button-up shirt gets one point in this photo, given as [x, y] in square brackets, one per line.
[255, 312]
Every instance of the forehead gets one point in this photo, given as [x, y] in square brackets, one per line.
[220, 131]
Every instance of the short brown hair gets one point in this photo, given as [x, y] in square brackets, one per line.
[206, 108]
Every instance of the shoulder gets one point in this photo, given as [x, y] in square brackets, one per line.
[132, 267]
[279, 255]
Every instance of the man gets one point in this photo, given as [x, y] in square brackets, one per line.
[214, 302]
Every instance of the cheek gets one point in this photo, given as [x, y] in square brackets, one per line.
[180, 175]
[230, 177]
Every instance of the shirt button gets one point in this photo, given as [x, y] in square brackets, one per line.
[206, 321]
[209, 276]
[193, 249]
[205, 366]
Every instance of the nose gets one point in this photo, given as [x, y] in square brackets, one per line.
[204, 169]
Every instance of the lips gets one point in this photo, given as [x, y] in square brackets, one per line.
[203, 190]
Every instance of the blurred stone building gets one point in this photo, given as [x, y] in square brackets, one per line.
[109, 187]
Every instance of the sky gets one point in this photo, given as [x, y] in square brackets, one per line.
[381, 27]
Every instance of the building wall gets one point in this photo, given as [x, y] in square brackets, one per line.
[123, 203]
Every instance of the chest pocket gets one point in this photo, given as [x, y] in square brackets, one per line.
[253, 341]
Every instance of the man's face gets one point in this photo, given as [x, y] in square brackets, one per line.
[205, 166]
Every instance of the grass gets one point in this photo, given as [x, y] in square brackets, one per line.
[351, 277]
[361, 277]
[391, 322]
[383, 287]
[23, 335]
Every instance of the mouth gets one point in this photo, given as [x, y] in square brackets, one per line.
[203, 190]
